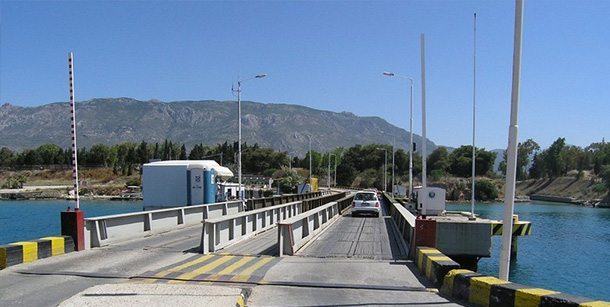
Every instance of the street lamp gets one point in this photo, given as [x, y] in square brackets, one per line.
[335, 170]
[389, 74]
[239, 82]
[310, 169]
[393, 167]
[385, 169]
[329, 155]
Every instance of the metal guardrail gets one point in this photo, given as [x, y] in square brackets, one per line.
[257, 203]
[404, 220]
[295, 232]
[100, 231]
[222, 231]
[316, 202]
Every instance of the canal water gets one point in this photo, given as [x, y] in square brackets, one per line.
[33, 219]
[568, 251]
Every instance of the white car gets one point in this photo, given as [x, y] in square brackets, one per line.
[366, 202]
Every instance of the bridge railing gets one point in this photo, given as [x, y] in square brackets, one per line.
[222, 231]
[295, 232]
[100, 231]
[257, 203]
[404, 220]
[316, 202]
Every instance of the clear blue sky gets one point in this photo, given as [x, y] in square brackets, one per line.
[325, 55]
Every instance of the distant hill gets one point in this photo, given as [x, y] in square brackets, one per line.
[116, 120]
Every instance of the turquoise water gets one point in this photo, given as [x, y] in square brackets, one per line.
[568, 251]
[30, 220]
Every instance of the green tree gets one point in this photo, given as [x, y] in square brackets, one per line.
[49, 153]
[555, 165]
[183, 155]
[197, 153]
[460, 161]
[572, 157]
[438, 160]
[142, 153]
[485, 190]
[524, 151]
[538, 169]
[99, 155]
[6, 155]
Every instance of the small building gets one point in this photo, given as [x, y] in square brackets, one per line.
[177, 183]
[430, 200]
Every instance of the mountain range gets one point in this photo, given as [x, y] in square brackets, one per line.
[110, 121]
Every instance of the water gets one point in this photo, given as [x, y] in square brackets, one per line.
[568, 251]
[30, 220]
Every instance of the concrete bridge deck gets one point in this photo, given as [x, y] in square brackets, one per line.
[355, 262]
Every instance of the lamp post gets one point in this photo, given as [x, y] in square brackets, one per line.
[335, 170]
[310, 169]
[239, 82]
[329, 155]
[385, 169]
[393, 182]
[410, 130]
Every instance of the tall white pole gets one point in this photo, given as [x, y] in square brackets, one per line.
[423, 109]
[310, 169]
[513, 131]
[474, 112]
[393, 183]
[239, 140]
[385, 172]
[335, 170]
[73, 123]
[239, 175]
[411, 145]
[329, 171]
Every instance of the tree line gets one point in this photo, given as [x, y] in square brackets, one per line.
[126, 157]
[357, 166]
[560, 158]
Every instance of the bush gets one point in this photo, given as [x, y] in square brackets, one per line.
[134, 182]
[437, 174]
[485, 191]
[269, 172]
[599, 188]
[14, 182]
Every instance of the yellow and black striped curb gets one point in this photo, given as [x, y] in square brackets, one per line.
[519, 228]
[28, 251]
[432, 263]
[243, 297]
[490, 291]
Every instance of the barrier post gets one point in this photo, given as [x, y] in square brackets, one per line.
[73, 225]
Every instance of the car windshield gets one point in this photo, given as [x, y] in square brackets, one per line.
[365, 196]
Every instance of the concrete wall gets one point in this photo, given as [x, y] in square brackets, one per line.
[463, 238]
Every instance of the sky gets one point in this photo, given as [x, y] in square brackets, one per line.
[326, 55]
